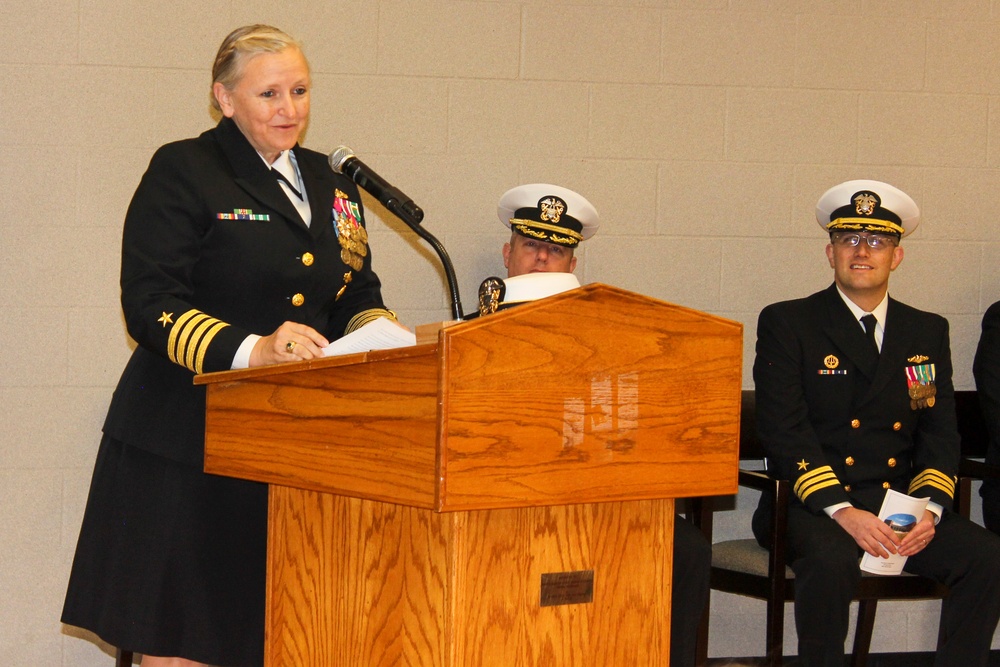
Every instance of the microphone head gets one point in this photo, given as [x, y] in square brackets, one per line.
[339, 157]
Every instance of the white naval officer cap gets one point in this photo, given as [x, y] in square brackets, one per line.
[548, 213]
[867, 206]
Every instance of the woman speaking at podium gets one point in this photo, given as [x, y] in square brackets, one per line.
[240, 249]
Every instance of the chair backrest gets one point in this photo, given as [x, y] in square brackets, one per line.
[750, 445]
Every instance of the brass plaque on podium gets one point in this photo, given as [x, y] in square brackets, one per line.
[560, 588]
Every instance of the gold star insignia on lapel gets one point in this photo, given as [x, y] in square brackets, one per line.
[165, 319]
[803, 465]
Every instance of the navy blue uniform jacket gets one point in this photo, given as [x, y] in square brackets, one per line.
[212, 251]
[837, 419]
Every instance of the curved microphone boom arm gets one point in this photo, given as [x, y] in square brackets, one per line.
[344, 161]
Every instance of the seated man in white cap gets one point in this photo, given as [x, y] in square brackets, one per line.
[854, 397]
[547, 223]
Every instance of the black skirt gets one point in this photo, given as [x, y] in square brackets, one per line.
[170, 560]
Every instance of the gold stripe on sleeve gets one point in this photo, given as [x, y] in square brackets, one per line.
[178, 339]
[196, 342]
[190, 338]
[205, 342]
[813, 481]
[935, 479]
[366, 316]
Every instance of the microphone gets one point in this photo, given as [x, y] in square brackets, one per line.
[344, 161]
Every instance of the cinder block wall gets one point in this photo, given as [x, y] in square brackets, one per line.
[703, 131]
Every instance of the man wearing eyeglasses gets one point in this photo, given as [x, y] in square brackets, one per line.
[854, 397]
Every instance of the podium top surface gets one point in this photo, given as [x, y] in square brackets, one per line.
[593, 395]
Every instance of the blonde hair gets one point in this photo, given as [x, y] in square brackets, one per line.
[242, 44]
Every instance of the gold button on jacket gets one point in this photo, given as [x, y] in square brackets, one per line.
[298, 300]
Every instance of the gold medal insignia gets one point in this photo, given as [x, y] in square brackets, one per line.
[831, 361]
[920, 386]
[353, 238]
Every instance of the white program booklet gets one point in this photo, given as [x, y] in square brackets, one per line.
[381, 334]
[901, 512]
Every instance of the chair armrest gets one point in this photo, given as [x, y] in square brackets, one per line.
[755, 479]
[700, 511]
[977, 469]
[780, 491]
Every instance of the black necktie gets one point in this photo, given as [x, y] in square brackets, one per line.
[869, 321]
[281, 177]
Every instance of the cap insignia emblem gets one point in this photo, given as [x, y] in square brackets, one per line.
[491, 293]
[551, 208]
[865, 203]
[831, 361]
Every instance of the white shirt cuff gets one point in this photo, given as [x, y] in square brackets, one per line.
[242, 357]
[833, 508]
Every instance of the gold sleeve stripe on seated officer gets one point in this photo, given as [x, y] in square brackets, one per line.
[936, 479]
[190, 337]
[366, 316]
[813, 481]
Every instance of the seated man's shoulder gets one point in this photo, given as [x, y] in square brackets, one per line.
[793, 307]
[993, 312]
[925, 317]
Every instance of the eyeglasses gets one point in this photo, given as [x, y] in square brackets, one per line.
[874, 241]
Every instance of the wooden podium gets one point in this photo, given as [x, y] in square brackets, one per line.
[502, 497]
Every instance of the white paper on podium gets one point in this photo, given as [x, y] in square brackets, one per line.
[381, 334]
[901, 512]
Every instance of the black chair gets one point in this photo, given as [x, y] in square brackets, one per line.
[743, 567]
